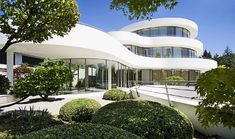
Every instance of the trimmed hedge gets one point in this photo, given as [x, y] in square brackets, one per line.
[79, 110]
[145, 118]
[116, 95]
[81, 131]
[174, 78]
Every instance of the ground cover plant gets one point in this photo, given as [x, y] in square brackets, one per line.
[79, 110]
[146, 119]
[83, 131]
[22, 121]
[115, 94]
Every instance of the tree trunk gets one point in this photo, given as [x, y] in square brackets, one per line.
[5, 47]
[44, 97]
[11, 104]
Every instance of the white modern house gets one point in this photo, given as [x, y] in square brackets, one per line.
[143, 51]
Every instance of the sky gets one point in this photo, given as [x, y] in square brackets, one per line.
[215, 19]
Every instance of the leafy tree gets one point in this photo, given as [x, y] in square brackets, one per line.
[46, 80]
[216, 87]
[22, 71]
[4, 84]
[141, 8]
[36, 20]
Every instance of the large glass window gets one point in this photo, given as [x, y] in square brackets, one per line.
[163, 31]
[163, 52]
[188, 75]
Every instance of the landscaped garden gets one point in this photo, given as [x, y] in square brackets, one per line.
[85, 118]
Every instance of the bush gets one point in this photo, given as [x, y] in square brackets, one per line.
[172, 80]
[116, 95]
[79, 110]
[146, 119]
[4, 84]
[217, 88]
[83, 131]
[47, 79]
[24, 121]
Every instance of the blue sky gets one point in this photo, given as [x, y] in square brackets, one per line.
[215, 19]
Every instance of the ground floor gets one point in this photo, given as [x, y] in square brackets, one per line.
[107, 74]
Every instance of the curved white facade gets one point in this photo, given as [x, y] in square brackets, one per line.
[179, 22]
[87, 42]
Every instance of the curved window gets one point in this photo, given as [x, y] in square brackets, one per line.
[163, 52]
[163, 31]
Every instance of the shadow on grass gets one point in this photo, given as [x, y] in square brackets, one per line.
[35, 100]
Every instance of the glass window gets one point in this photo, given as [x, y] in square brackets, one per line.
[179, 32]
[146, 33]
[177, 52]
[170, 31]
[163, 31]
[185, 33]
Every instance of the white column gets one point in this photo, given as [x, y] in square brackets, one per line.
[10, 60]
[109, 78]
[136, 76]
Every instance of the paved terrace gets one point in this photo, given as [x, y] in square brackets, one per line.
[55, 102]
[180, 94]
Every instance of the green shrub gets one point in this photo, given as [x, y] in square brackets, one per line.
[81, 131]
[115, 94]
[24, 121]
[4, 84]
[146, 119]
[79, 110]
[172, 80]
[47, 79]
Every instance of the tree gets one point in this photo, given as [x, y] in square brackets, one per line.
[22, 71]
[46, 80]
[36, 20]
[141, 8]
[207, 55]
[227, 59]
[216, 87]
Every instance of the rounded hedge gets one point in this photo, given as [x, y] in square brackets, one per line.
[81, 131]
[79, 110]
[145, 118]
[116, 95]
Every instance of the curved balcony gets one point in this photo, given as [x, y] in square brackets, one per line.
[129, 38]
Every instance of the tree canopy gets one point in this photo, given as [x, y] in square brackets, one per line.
[216, 87]
[227, 59]
[36, 20]
[207, 55]
[141, 8]
[47, 79]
